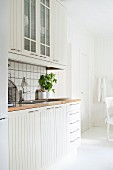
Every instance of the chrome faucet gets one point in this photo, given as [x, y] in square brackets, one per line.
[22, 92]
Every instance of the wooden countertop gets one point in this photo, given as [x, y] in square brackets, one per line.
[43, 104]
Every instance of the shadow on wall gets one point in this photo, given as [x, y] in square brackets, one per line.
[60, 86]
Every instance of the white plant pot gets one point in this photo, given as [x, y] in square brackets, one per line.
[41, 95]
[49, 94]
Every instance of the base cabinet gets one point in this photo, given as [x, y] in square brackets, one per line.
[73, 126]
[60, 128]
[47, 119]
[39, 137]
[24, 137]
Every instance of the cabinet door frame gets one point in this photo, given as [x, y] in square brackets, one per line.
[45, 57]
[25, 52]
[15, 16]
[61, 130]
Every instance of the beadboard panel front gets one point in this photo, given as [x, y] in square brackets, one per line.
[103, 69]
[48, 142]
[24, 145]
[60, 126]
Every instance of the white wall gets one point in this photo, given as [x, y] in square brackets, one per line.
[3, 55]
[81, 40]
[104, 69]
[69, 80]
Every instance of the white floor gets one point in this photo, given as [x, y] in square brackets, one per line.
[95, 153]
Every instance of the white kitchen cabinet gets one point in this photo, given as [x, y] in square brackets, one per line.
[24, 140]
[45, 29]
[59, 33]
[38, 30]
[73, 126]
[60, 128]
[39, 137]
[30, 28]
[47, 118]
[15, 28]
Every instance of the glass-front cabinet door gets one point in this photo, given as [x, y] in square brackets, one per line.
[30, 44]
[45, 29]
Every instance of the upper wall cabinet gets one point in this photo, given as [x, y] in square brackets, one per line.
[59, 33]
[29, 28]
[45, 34]
[15, 34]
[38, 30]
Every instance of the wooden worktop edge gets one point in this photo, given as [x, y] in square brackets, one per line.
[38, 105]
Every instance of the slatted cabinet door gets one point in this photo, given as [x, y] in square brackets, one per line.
[18, 140]
[60, 128]
[31, 140]
[15, 18]
[24, 140]
[47, 137]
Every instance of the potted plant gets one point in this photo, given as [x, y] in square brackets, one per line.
[46, 83]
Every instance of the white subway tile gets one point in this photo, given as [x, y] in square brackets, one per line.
[28, 67]
[28, 75]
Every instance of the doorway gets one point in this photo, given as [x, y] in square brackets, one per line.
[84, 90]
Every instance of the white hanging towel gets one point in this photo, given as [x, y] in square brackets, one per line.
[99, 89]
[103, 89]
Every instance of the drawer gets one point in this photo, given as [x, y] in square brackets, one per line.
[71, 126]
[71, 146]
[73, 135]
[73, 107]
[73, 116]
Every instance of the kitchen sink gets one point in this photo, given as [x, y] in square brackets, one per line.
[31, 102]
[41, 101]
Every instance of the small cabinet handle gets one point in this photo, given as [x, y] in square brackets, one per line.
[74, 122]
[75, 140]
[31, 111]
[43, 56]
[36, 110]
[49, 108]
[16, 49]
[74, 113]
[58, 107]
[56, 60]
[13, 49]
[73, 104]
[74, 131]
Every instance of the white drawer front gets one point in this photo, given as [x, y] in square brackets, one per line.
[73, 107]
[74, 144]
[73, 116]
[71, 126]
[73, 135]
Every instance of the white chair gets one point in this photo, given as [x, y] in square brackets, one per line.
[109, 110]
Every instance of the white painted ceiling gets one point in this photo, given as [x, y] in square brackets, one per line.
[94, 15]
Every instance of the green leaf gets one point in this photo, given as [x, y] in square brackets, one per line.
[47, 81]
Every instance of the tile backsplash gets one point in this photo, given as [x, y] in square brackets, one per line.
[18, 70]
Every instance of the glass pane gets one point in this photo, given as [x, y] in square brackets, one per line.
[43, 1]
[42, 29]
[47, 26]
[27, 18]
[42, 49]
[26, 44]
[47, 51]
[33, 46]
[33, 19]
[48, 3]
